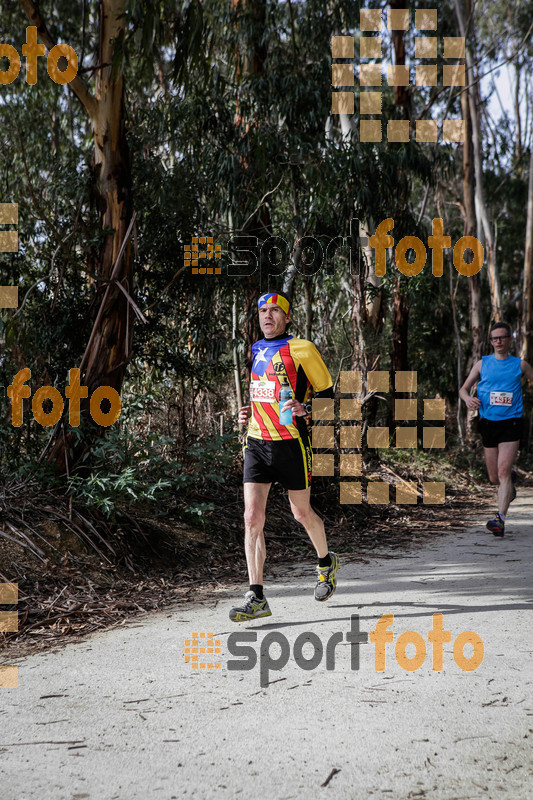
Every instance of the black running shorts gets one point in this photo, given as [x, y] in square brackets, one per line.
[505, 430]
[288, 462]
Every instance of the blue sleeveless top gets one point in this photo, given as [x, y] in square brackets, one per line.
[500, 388]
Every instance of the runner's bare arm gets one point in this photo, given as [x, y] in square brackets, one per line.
[527, 370]
[472, 403]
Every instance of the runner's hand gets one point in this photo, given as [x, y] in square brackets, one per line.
[244, 414]
[472, 403]
[296, 407]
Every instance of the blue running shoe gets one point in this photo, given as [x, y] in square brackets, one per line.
[496, 526]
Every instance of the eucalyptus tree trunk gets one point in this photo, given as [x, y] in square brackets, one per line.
[374, 297]
[109, 348]
[358, 317]
[519, 149]
[367, 306]
[235, 353]
[526, 331]
[401, 93]
[297, 250]
[309, 296]
[400, 305]
[250, 60]
[481, 207]
[459, 350]
[470, 229]
[400, 325]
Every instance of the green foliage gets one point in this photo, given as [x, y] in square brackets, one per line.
[225, 110]
[108, 491]
[135, 466]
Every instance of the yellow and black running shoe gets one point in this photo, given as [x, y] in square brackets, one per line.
[327, 579]
[252, 608]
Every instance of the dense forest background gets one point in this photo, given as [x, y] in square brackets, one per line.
[213, 119]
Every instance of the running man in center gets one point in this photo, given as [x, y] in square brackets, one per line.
[280, 450]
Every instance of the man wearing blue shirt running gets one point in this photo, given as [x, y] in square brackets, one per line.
[499, 402]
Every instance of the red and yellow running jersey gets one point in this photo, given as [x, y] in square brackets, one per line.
[273, 360]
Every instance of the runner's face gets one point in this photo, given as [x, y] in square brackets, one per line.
[501, 341]
[272, 320]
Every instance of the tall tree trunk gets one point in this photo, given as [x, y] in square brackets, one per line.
[400, 325]
[526, 331]
[367, 306]
[110, 344]
[470, 229]
[472, 89]
[366, 317]
[110, 349]
[235, 351]
[309, 293]
[358, 317]
[459, 350]
[297, 250]
[519, 151]
[400, 307]
[401, 93]
[374, 298]
[250, 60]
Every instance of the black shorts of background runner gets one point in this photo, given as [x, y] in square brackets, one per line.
[494, 432]
[288, 462]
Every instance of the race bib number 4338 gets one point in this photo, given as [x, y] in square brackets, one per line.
[501, 398]
[263, 391]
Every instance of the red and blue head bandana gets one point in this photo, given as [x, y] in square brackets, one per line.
[276, 300]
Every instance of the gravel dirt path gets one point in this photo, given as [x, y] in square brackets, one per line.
[123, 715]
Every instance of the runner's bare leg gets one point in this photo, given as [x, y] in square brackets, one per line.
[300, 500]
[507, 452]
[491, 460]
[255, 499]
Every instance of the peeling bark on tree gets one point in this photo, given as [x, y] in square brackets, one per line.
[401, 93]
[470, 229]
[526, 331]
[400, 325]
[367, 306]
[109, 353]
[358, 279]
[474, 103]
[250, 59]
